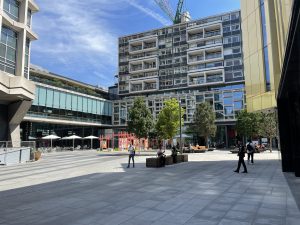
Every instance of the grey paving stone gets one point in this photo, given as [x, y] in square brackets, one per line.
[196, 221]
[233, 222]
[85, 188]
[269, 221]
[151, 215]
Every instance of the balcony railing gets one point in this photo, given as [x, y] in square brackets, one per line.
[136, 48]
[152, 45]
[150, 87]
[196, 59]
[214, 78]
[212, 33]
[213, 56]
[194, 37]
[197, 81]
[136, 68]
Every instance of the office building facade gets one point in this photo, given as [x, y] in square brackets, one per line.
[64, 107]
[16, 91]
[265, 25]
[197, 61]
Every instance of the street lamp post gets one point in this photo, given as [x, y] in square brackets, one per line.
[180, 146]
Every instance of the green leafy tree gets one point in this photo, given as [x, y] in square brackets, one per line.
[247, 124]
[140, 119]
[204, 121]
[168, 121]
[268, 126]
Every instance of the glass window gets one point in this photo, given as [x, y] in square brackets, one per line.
[228, 101]
[238, 105]
[199, 98]
[228, 110]
[42, 96]
[62, 101]
[74, 103]
[49, 102]
[68, 101]
[219, 116]
[94, 107]
[90, 105]
[79, 106]
[218, 106]
[29, 17]
[8, 50]
[84, 105]
[218, 97]
[101, 112]
[11, 7]
[238, 95]
[56, 99]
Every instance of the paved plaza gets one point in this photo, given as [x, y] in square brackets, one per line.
[90, 188]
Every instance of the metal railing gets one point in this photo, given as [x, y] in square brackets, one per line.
[15, 152]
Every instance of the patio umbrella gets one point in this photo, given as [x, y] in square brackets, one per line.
[51, 137]
[73, 137]
[91, 137]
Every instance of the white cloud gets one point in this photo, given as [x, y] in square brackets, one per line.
[150, 12]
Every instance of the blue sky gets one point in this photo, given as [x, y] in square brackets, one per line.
[78, 39]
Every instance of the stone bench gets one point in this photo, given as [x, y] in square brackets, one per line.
[155, 162]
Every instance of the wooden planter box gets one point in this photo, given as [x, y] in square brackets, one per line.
[37, 155]
[177, 159]
[153, 162]
[169, 160]
[184, 158]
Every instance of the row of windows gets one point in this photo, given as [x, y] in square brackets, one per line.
[61, 100]
[11, 7]
[8, 50]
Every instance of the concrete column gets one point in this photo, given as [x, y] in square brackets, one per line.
[14, 134]
[16, 113]
[21, 53]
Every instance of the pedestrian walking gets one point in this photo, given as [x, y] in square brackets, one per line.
[131, 151]
[241, 155]
[250, 151]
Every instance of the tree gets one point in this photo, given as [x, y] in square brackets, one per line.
[268, 126]
[204, 121]
[168, 121]
[140, 119]
[247, 124]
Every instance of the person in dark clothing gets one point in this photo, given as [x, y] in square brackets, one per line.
[131, 151]
[250, 151]
[241, 155]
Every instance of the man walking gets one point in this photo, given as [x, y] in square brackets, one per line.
[250, 151]
[241, 155]
[131, 151]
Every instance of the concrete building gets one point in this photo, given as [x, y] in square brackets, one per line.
[16, 91]
[265, 25]
[196, 61]
[63, 107]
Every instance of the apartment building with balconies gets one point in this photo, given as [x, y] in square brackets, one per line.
[196, 61]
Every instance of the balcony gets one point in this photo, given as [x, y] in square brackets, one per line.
[212, 33]
[197, 80]
[213, 56]
[150, 86]
[136, 68]
[136, 48]
[195, 36]
[214, 78]
[150, 45]
[136, 87]
[195, 59]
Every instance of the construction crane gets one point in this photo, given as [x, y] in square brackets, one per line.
[165, 6]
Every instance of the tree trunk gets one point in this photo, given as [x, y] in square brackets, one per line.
[207, 142]
[270, 144]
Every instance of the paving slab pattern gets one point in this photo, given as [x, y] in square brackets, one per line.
[90, 188]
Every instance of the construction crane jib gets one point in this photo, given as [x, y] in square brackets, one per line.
[165, 6]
